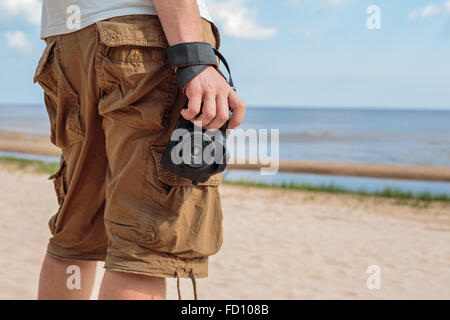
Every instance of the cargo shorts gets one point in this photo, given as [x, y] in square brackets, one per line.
[113, 102]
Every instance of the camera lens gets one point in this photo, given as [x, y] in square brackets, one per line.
[197, 154]
[195, 144]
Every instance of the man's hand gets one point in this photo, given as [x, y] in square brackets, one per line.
[211, 94]
[182, 23]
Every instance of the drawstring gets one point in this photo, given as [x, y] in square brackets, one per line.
[178, 285]
[194, 284]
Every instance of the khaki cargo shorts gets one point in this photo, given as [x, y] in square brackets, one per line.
[113, 102]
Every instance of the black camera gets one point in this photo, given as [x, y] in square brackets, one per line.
[193, 152]
[196, 153]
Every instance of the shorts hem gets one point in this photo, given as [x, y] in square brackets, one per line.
[155, 266]
[67, 254]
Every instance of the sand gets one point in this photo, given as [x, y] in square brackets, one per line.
[278, 244]
[33, 143]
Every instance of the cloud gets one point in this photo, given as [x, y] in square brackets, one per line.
[29, 9]
[18, 40]
[447, 6]
[238, 21]
[425, 12]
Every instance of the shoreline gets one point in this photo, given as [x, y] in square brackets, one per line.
[37, 144]
[27, 142]
[421, 199]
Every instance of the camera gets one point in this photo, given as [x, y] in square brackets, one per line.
[195, 153]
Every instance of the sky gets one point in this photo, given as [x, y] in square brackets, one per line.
[291, 52]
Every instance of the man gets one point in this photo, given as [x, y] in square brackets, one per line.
[113, 101]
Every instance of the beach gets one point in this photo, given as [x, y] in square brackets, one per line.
[278, 244]
[27, 142]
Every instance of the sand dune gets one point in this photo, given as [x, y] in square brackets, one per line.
[278, 244]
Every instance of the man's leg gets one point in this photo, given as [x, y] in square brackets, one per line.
[55, 273]
[128, 286]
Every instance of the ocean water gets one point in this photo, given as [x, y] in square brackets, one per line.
[410, 137]
[367, 136]
[24, 118]
[393, 137]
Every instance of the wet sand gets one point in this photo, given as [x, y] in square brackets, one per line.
[33, 143]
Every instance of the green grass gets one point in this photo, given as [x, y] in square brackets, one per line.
[331, 188]
[32, 165]
[402, 196]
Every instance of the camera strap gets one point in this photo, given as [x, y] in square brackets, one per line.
[192, 58]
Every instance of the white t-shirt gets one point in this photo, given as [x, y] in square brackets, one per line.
[56, 13]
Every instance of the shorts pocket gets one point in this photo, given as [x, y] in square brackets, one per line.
[173, 180]
[137, 30]
[61, 101]
[60, 190]
[138, 86]
[179, 218]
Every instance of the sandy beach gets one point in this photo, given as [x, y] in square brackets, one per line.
[278, 244]
[33, 143]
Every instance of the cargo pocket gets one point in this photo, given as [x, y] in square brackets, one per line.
[138, 86]
[61, 101]
[173, 197]
[170, 179]
[60, 190]
[175, 204]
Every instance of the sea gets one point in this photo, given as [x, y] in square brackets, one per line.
[360, 135]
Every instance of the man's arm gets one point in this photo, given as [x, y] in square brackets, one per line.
[182, 23]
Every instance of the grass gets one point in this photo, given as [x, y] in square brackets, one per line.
[32, 165]
[401, 196]
[332, 188]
